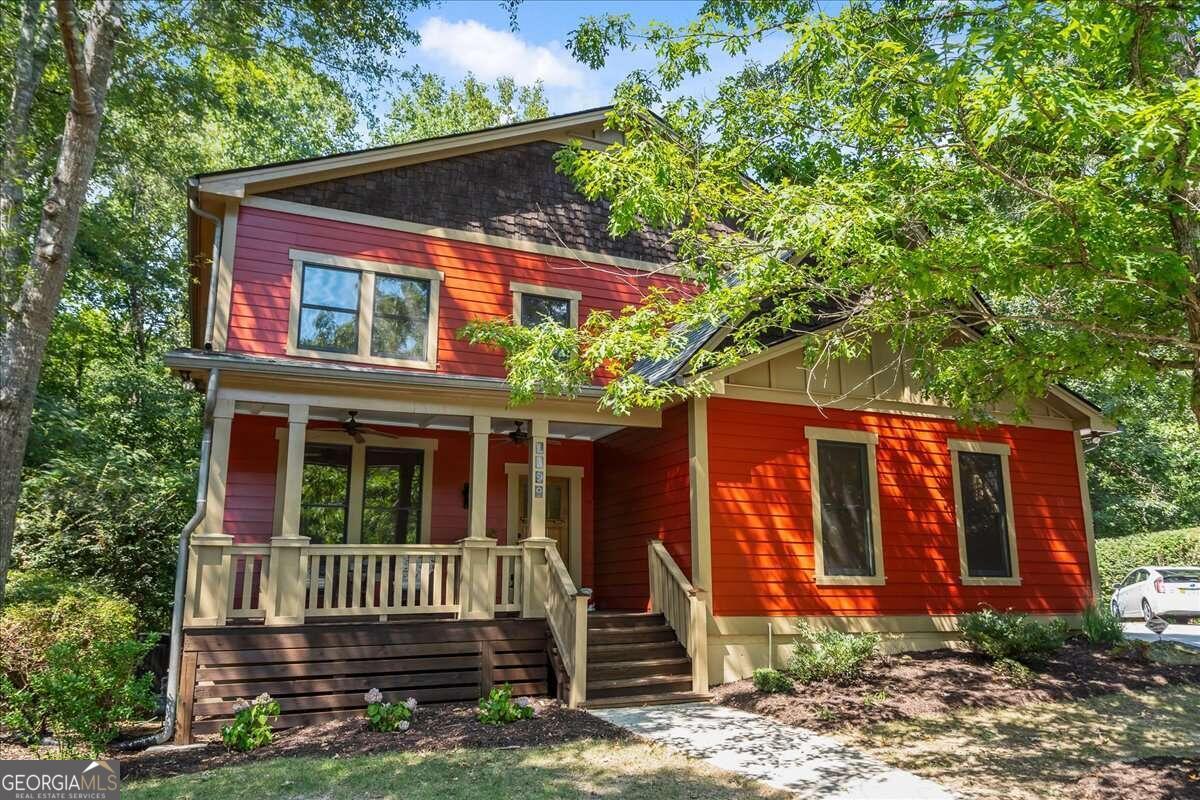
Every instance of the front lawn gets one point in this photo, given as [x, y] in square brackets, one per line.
[583, 769]
[1040, 750]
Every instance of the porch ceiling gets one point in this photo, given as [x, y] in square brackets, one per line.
[445, 422]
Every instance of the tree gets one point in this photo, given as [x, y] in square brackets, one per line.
[428, 107]
[170, 65]
[1009, 191]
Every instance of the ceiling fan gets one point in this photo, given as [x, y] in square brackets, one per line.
[518, 435]
[356, 429]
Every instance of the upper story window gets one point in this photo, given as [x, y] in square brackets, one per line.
[353, 309]
[847, 541]
[987, 542]
[533, 305]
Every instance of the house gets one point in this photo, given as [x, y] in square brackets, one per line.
[378, 515]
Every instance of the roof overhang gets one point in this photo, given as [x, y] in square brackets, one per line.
[584, 125]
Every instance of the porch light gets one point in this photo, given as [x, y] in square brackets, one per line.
[189, 385]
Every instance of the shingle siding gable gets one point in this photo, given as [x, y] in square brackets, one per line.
[513, 192]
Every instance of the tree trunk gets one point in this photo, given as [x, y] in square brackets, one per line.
[29, 62]
[23, 341]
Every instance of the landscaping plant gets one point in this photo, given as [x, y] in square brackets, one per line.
[388, 717]
[1013, 636]
[251, 726]
[68, 667]
[1116, 556]
[1101, 626]
[771, 681]
[499, 707]
[831, 655]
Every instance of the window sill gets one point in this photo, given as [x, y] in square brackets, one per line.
[990, 581]
[356, 358]
[850, 580]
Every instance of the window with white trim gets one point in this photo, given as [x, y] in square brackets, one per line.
[354, 309]
[847, 540]
[987, 541]
[534, 304]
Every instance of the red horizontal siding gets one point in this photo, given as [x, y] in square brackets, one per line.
[762, 536]
[476, 284]
[642, 493]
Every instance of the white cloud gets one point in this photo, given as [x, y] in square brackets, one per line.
[471, 46]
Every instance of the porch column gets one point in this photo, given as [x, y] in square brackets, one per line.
[297, 422]
[481, 431]
[477, 575]
[287, 574]
[218, 467]
[539, 430]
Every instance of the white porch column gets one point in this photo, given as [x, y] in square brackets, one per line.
[481, 430]
[538, 452]
[297, 422]
[218, 467]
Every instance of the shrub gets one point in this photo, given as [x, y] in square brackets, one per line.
[68, 667]
[499, 707]
[831, 655]
[1013, 636]
[388, 717]
[1015, 671]
[251, 726]
[772, 681]
[1102, 627]
[1115, 557]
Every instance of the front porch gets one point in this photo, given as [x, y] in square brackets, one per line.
[417, 509]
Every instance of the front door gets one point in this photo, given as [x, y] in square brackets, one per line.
[558, 513]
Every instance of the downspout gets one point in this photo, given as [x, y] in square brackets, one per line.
[218, 232]
[171, 690]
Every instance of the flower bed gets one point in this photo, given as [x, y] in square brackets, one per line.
[941, 681]
[435, 727]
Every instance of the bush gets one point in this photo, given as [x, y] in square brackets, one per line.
[68, 666]
[1116, 557]
[499, 707]
[388, 717]
[1102, 627]
[251, 726]
[831, 655]
[1013, 636]
[772, 681]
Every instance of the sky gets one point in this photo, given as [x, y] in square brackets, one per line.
[462, 36]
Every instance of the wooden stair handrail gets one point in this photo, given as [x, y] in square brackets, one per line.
[566, 615]
[674, 596]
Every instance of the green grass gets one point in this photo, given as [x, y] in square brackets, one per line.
[577, 770]
[1037, 751]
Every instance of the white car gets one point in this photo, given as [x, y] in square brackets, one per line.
[1163, 591]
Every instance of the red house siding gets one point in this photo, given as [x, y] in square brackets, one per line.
[476, 284]
[641, 493]
[253, 458]
[762, 537]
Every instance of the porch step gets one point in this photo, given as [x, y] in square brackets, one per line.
[662, 699]
[624, 620]
[607, 670]
[645, 684]
[630, 634]
[633, 651]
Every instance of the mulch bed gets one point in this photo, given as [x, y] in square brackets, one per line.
[1157, 778]
[435, 727]
[940, 681]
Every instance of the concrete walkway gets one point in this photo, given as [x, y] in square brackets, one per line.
[1183, 634]
[782, 756]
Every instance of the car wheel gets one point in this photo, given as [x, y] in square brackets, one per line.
[1147, 611]
[1115, 607]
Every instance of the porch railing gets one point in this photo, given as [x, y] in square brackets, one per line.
[291, 580]
[673, 596]
[566, 613]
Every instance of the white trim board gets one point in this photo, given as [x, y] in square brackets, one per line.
[454, 234]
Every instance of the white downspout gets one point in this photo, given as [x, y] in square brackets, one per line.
[171, 690]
